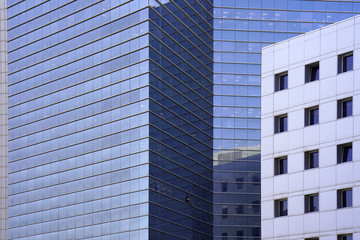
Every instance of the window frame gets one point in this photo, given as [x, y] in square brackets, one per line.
[309, 72]
[341, 108]
[278, 86]
[279, 128]
[279, 168]
[342, 201]
[308, 116]
[345, 237]
[308, 159]
[280, 211]
[341, 158]
[341, 62]
[309, 202]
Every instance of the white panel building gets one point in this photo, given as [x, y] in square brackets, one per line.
[311, 135]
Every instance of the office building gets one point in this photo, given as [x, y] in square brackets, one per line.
[110, 119]
[3, 124]
[103, 89]
[241, 29]
[310, 135]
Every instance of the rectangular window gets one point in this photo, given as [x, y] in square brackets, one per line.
[239, 183]
[345, 108]
[344, 153]
[314, 238]
[312, 72]
[345, 62]
[312, 159]
[281, 81]
[312, 116]
[224, 212]
[281, 124]
[280, 165]
[312, 203]
[239, 209]
[345, 237]
[224, 187]
[344, 197]
[281, 207]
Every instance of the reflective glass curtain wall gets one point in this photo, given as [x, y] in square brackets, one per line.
[180, 119]
[241, 29]
[110, 119]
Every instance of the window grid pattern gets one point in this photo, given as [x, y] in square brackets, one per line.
[81, 78]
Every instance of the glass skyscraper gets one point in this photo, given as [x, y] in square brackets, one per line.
[110, 119]
[122, 127]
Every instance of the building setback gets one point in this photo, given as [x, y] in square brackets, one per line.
[310, 135]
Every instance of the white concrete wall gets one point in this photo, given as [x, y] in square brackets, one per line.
[323, 45]
[3, 123]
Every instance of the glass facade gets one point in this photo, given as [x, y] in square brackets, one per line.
[241, 29]
[110, 119]
[180, 119]
[122, 127]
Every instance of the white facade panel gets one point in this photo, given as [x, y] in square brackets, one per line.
[310, 139]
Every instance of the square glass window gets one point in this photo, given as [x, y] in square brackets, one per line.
[281, 81]
[345, 62]
[281, 207]
[344, 197]
[312, 72]
[281, 124]
[280, 166]
[344, 153]
[312, 159]
[345, 108]
[312, 116]
[312, 203]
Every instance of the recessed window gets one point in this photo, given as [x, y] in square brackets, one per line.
[239, 233]
[281, 81]
[344, 153]
[225, 212]
[281, 124]
[312, 72]
[312, 116]
[239, 209]
[345, 237]
[256, 206]
[311, 203]
[281, 207]
[345, 62]
[239, 183]
[345, 108]
[312, 159]
[280, 165]
[344, 197]
[224, 187]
